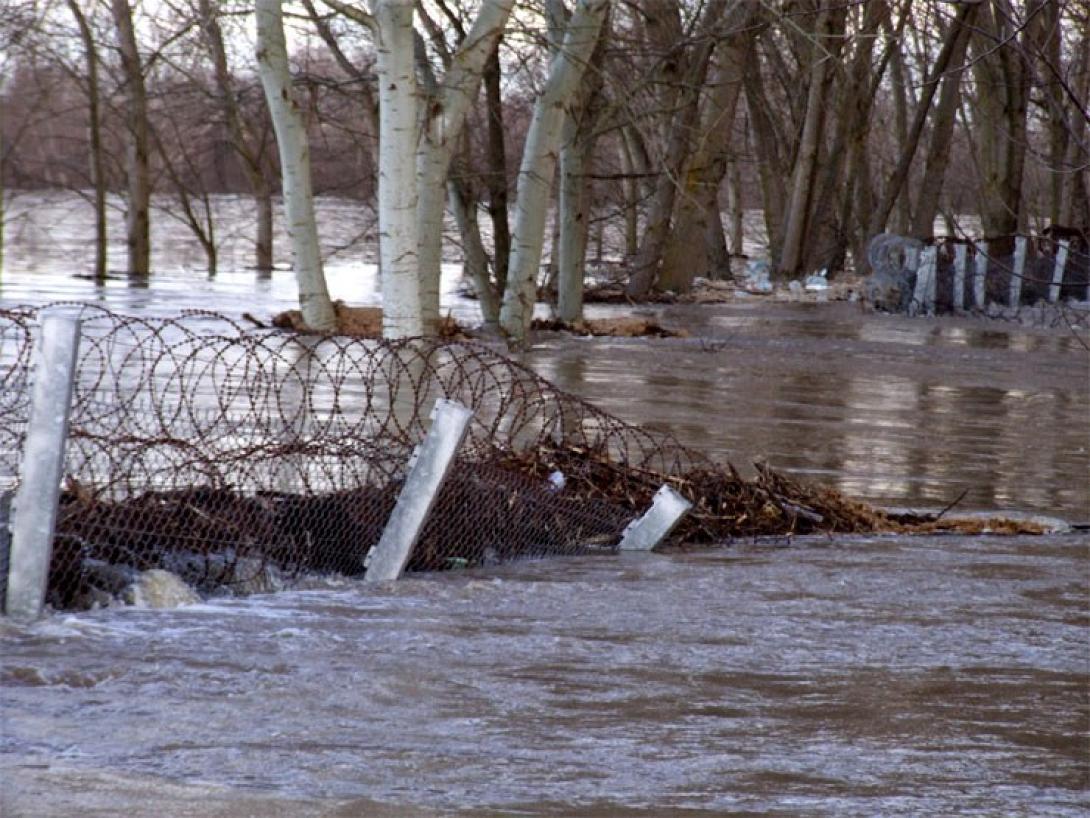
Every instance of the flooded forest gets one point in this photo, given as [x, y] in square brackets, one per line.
[812, 277]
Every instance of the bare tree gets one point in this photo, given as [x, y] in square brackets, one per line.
[246, 144]
[138, 164]
[94, 130]
[539, 164]
[291, 138]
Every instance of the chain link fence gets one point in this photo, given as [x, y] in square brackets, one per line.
[240, 460]
[996, 277]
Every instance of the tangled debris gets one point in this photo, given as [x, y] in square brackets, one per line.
[353, 322]
[726, 505]
[487, 512]
[621, 327]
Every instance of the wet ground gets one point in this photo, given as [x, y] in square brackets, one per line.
[843, 676]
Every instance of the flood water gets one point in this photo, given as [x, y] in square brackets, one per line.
[821, 676]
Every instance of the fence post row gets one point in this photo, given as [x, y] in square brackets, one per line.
[427, 470]
[666, 511]
[34, 515]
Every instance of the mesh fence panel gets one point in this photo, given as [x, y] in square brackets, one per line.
[239, 459]
[990, 277]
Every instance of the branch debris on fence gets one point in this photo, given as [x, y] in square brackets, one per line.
[239, 459]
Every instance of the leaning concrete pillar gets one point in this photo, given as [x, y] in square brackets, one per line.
[427, 470]
[666, 511]
[34, 515]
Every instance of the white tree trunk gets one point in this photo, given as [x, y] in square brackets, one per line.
[444, 121]
[539, 164]
[402, 294]
[432, 164]
[291, 139]
[573, 217]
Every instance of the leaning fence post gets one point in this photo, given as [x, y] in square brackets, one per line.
[1018, 273]
[1058, 271]
[666, 511]
[427, 470]
[34, 515]
[980, 272]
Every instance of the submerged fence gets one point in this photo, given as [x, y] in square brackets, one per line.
[240, 459]
[995, 276]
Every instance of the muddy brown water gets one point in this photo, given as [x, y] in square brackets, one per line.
[822, 676]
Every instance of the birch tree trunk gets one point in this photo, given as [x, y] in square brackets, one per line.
[573, 215]
[578, 138]
[444, 121]
[291, 139]
[402, 291]
[137, 217]
[539, 164]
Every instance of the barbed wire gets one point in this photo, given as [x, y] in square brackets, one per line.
[241, 458]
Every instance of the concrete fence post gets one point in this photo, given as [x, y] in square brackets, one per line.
[666, 511]
[34, 515]
[980, 273]
[1058, 271]
[961, 258]
[1018, 274]
[427, 470]
[924, 294]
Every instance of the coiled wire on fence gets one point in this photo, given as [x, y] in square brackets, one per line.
[239, 459]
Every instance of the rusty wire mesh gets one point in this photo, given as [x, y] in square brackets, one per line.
[240, 459]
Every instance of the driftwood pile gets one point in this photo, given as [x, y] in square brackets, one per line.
[727, 505]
